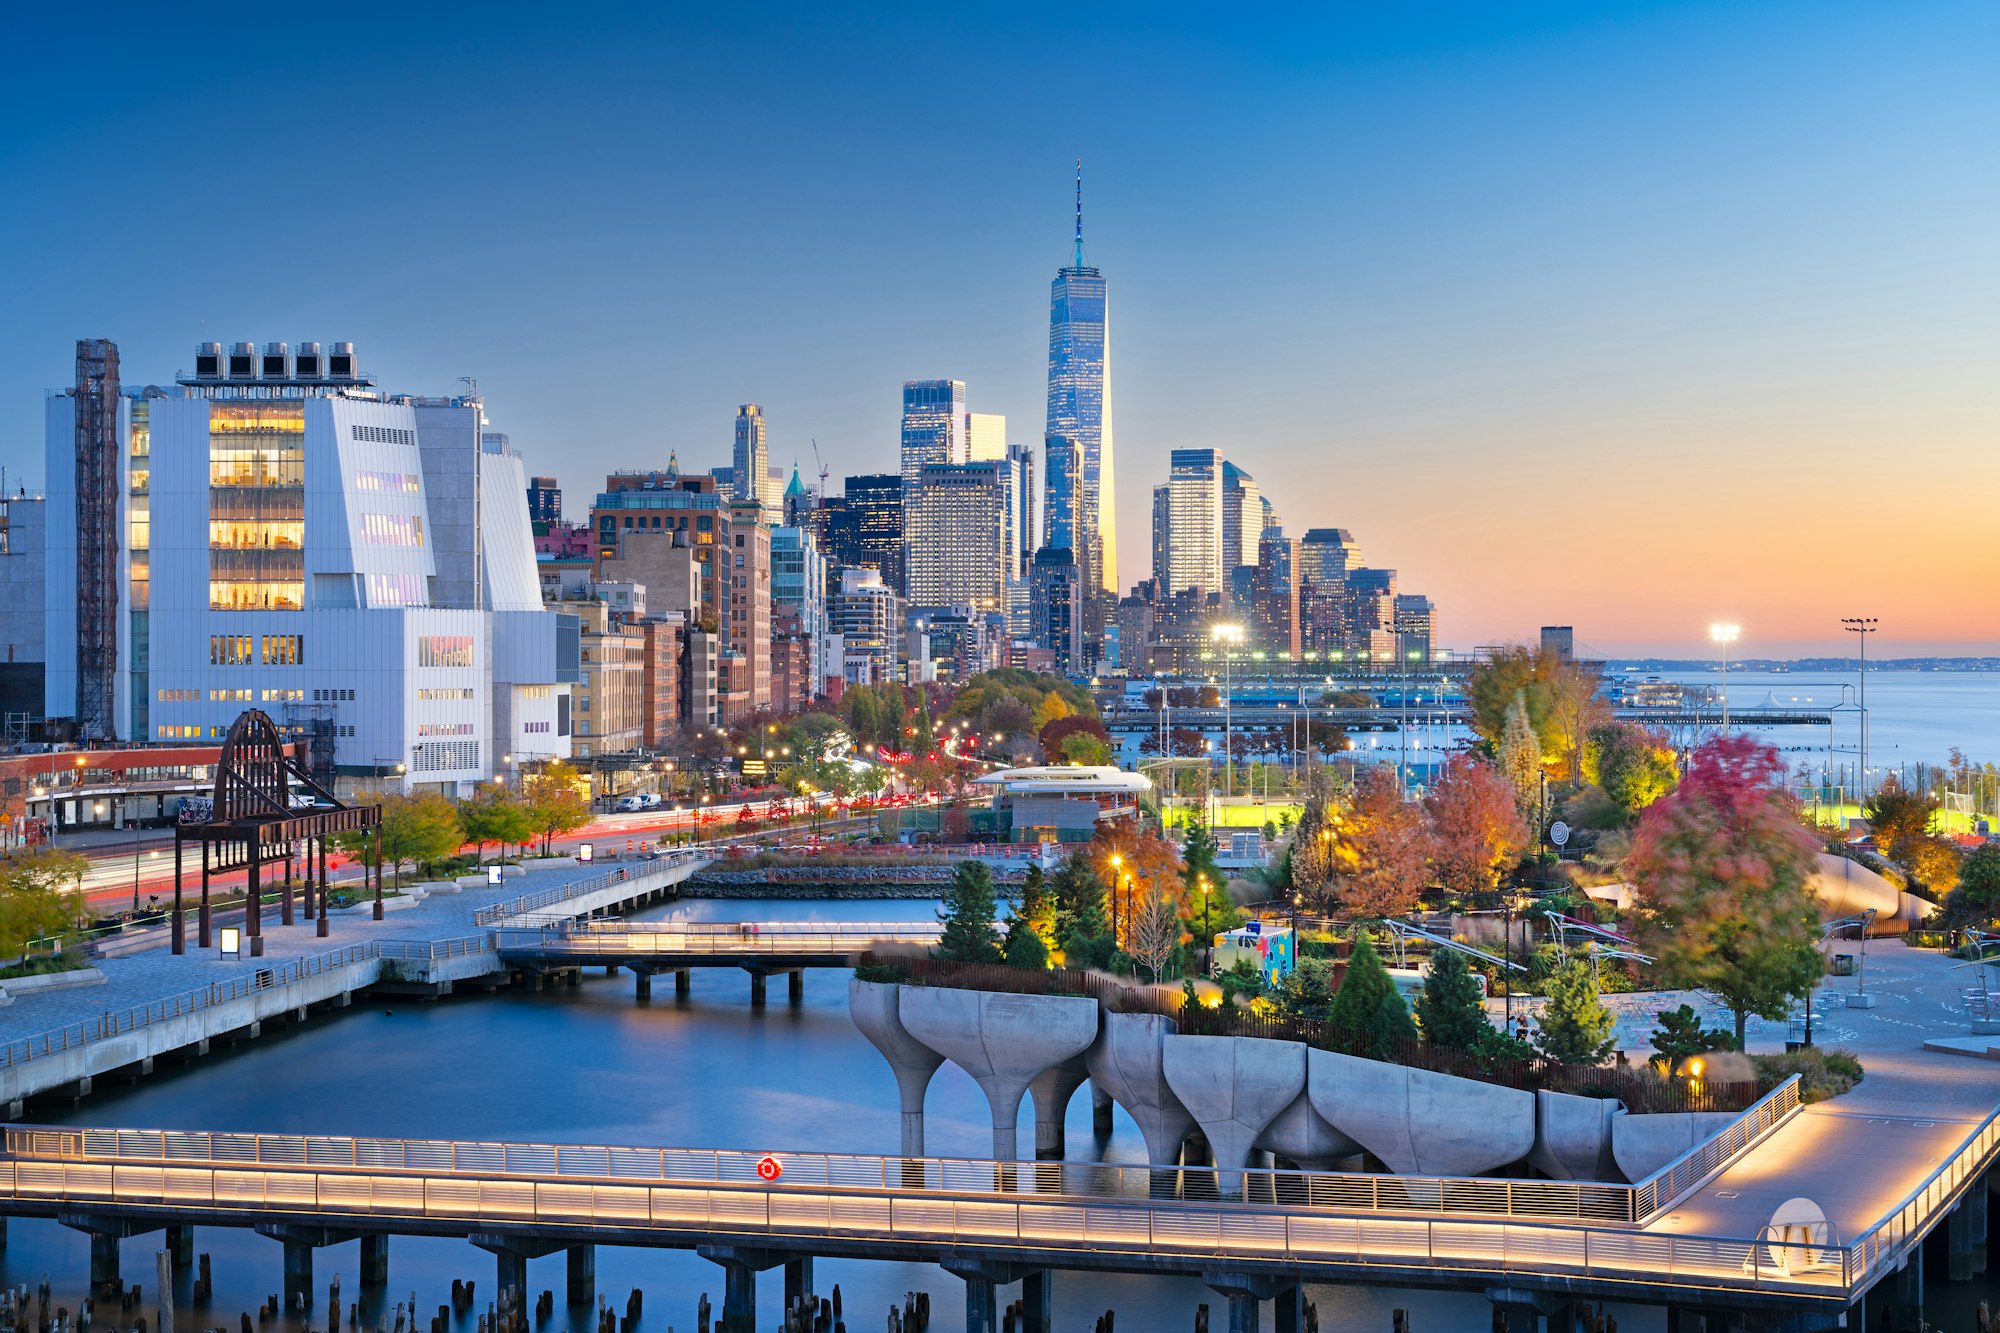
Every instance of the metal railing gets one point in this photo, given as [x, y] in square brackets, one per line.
[834, 939]
[116, 1022]
[1027, 1205]
[1671, 1183]
[431, 950]
[1913, 1218]
[561, 893]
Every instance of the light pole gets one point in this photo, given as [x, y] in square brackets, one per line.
[1724, 634]
[1862, 626]
[1226, 636]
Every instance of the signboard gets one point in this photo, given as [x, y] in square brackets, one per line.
[1559, 833]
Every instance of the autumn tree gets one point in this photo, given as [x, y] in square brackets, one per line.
[1559, 697]
[1155, 932]
[1631, 764]
[1932, 861]
[1381, 848]
[418, 828]
[1083, 749]
[968, 916]
[1476, 828]
[1519, 754]
[1056, 735]
[40, 895]
[1976, 899]
[554, 801]
[1721, 871]
[1898, 817]
[1133, 861]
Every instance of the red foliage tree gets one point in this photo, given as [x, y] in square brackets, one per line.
[1476, 828]
[1055, 733]
[1382, 854]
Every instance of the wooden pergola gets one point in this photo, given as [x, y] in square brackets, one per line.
[252, 822]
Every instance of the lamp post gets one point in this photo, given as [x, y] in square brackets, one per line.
[1227, 635]
[1207, 937]
[1724, 635]
[1862, 626]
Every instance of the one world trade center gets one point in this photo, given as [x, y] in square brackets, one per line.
[1080, 422]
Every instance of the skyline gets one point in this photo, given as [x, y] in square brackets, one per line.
[1410, 277]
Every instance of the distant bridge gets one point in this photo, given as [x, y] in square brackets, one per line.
[761, 948]
[1247, 714]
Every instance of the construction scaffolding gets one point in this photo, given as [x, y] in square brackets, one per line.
[98, 481]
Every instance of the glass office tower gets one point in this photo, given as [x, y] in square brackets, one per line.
[1080, 405]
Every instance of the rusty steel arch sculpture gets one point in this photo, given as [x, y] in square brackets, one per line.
[255, 818]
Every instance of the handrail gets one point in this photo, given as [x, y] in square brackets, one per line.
[498, 912]
[456, 947]
[1667, 1186]
[670, 938]
[1888, 1236]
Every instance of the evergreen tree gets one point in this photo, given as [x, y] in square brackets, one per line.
[1450, 1010]
[1080, 924]
[1361, 1015]
[1576, 1027]
[1198, 855]
[1519, 754]
[1680, 1037]
[968, 916]
[1024, 947]
[1037, 905]
[1308, 993]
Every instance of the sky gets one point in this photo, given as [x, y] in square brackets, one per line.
[1633, 317]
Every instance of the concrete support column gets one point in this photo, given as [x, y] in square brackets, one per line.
[682, 984]
[511, 1255]
[582, 1274]
[1965, 1237]
[104, 1280]
[795, 987]
[179, 1246]
[1038, 1301]
[757, 990]
[982, 1314]
[510, 1271]
[1288, 1311]
[1051, 1090]
[740, 1266]
[798, 1280]
[298, 1273]
[1100, 1109]
[1906, 1294]
[375, 1260]
[642, 984]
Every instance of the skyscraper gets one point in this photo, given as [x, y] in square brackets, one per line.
[1062, 462]
[1242, 517]
[959, 537]
[544, 500]
[752, 459]
[1080, 405]
[1021, 465]
[985, 436]
[934, 426]
[1194, 548]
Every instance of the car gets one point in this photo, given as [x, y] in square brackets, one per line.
[627, 804]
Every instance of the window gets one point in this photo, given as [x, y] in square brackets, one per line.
[442, 756]
[284, 650]
[444, 650]
[444, 729]
[396, 590]
[404, 482]
[230, 649]
[382, 434]
[283, 696]
[392, 529]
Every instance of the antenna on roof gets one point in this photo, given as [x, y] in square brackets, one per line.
[1079, 213]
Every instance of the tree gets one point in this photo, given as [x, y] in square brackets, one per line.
[1450, 1010]
[1052, 707]
[1576, 1028]
[419, 827]
[40, 895]
[1721, 872]
[1633, 765]
[1307, 993]
[1199, 869]
[1031, 925]
[1155, 932]
[1057, 733]
[1932, 861]
[1680, 1037]
[1898, 817]
[1382, 848]
[1080, 925]
[968, 916]
[1476, 828]
[1367, 1016]
[553, 802]
[1977, 897]
[1519, 754]
[1084, 749]
[494, 813]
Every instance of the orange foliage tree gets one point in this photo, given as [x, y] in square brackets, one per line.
[1136, 864]
[1382, 849]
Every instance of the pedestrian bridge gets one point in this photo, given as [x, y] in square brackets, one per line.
[1242, 1231]
[670, 945]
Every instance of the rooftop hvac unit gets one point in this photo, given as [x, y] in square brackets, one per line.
[208, 361]
[277, 364]
[306, 362]
[243, 361]
[340, 362]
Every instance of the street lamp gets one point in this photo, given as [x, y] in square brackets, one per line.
[1724, 634]
[1117, 869]
[1227, 634]
[1861, 627]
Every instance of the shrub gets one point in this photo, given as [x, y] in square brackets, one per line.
[888, 974]
[1822, 1073]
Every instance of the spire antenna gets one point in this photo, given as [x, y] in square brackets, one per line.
[1079, 213]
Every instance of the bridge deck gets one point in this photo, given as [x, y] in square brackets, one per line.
[673, 944]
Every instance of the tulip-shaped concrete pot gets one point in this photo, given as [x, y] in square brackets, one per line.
[1003, 1041]
[1300, 1134]
[1234, 1087]
[1573, 1136]
[875, 1007]
[1127, 1061]
[1419, 1122]
[1642, 1144]
[1051, 1090]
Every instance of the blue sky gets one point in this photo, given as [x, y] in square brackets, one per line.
[1631, 316]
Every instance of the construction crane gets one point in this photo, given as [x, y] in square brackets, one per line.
[823, 473]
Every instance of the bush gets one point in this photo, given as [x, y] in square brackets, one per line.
[1822, 1073]
[888, 974]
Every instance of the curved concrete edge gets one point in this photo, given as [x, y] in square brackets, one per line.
[1419, 1122]
[1234, 1087]
[1300, 1134]
[1004, 1041]
[1051, 1090]
[1573, 1136]
[875, 1008]
[1642, 1144]
[1126, 1061]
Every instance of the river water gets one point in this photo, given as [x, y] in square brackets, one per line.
[593, 1065]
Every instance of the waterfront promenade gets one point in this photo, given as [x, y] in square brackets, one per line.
[152, 1002]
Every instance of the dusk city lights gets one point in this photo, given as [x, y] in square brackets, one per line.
[788, 670]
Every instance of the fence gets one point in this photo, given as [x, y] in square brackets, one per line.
[1672, 1182]
[1641, 1092]
[117, 1022]
[498, 912]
